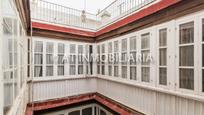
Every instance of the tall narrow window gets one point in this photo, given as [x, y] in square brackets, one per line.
[98, 62]
[49, 59]
[110, 58]
[186, 56]
[103, 59]
[80, 59]
[163, 57]
[61, 51]
[72, 60]
[116, 58]
[145, 52]
[38, 59]
[133, 68]
[203, 55]
[124, 58]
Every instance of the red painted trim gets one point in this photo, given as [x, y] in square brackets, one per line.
[62, 29]
[76, 99]
[138, 15]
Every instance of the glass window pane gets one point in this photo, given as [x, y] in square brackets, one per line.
[203, 54]
[103, 69]
[186, 56]
[49, 71]
[49, 47]
[80, 49]
[75, 112]
[60, 70]
[203, 30]
[162, 76]
[124, 44]
[162, 57]
[38, 71]
[115, 46]
[61, 48]
[116, 71]
[38, 59]
[72, 70]
[72, 48]
[124, 58]
[162, 37]
[133, 58]
[124, 72]
[80, 69]
[98, 69]
[145, 41]
[133, 73]
[38, 46]
[110, 70]
[8, 91]
[133, 43]
[186, 33]
[203, 79]
[145, 74]
[49, 59]
[110, 47]
[145, 60]
[186, 79]
[98, 49]
[102, 112]
[87, 111]
[103, 48]
[72, 59]
[60, 59]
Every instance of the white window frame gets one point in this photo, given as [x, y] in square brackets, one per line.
[76, 61]
[110, 54]
[152, 51]
[82, 63]
[200, 60]
[53, 54]
[169, 26]
[116, 53]
[98, 64]
[42, 53]
[60, 54]
[103, 64]
[124, 64]
[179, 22]
[133, 51]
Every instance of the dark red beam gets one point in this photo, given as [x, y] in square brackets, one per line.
[62, 29]
[78, 99]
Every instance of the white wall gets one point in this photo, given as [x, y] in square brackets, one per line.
[45, 90]
[148, 101]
